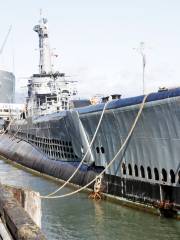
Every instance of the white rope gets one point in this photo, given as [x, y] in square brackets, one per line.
[17, 132]
[80, 164]
[111, 162]
[19, 128]
[7, 127]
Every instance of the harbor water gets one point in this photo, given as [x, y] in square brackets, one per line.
[78, 217]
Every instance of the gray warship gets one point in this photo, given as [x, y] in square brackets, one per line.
[55, 132]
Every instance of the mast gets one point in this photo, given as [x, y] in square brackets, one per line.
[45, 66]
[141, 50]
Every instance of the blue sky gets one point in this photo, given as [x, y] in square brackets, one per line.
[95, 41]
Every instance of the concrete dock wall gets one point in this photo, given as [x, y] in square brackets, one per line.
[29, 200]
[17, 221]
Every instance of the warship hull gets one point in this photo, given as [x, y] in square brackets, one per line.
[7, 87]
[147, 171]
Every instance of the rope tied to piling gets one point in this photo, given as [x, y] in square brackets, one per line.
[108, 165]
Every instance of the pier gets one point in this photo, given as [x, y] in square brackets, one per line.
[20, 214]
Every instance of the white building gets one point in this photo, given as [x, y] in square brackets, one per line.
[11, 110]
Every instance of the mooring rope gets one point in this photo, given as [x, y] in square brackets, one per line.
[88, 150]
[111, 162]
[10, 122]
[19, 128]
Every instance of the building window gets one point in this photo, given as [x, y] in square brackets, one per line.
[172, 176]
[164, 175]
[136, 170]
[130, 169]
[142, 172]
[149, 173]
[124, 168]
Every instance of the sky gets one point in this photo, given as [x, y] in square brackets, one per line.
[96, 41]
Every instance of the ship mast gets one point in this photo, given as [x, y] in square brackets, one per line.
[141, 51]
[45, 66]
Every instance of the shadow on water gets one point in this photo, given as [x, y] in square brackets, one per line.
[80, 218]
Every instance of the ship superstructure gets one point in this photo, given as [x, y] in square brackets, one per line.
[48, 91]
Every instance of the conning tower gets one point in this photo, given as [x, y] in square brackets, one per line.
[48, 91]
